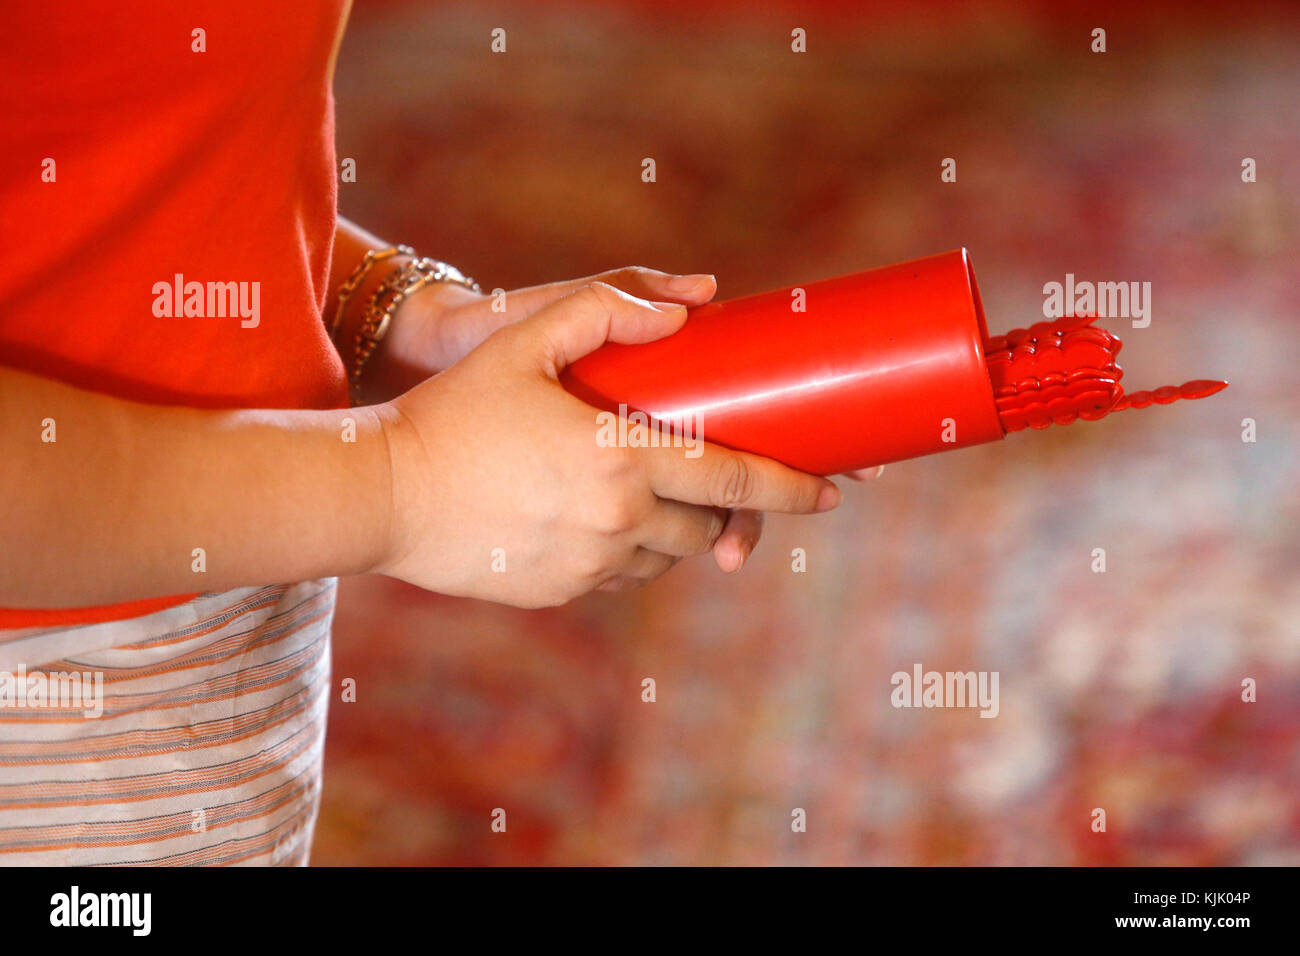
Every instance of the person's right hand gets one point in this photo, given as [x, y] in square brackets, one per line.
[500, 490]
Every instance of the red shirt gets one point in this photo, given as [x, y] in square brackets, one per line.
[217, 166]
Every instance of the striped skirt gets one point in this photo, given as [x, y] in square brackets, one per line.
[193, 736]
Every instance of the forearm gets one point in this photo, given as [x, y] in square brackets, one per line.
[114, 508]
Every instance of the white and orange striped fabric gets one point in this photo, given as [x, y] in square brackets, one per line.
[210, 744]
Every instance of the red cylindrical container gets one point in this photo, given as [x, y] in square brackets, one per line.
[883, 365]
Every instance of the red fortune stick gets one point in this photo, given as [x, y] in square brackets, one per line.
[880, 366]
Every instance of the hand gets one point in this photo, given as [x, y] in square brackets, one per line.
[495, 454]
[443, 322]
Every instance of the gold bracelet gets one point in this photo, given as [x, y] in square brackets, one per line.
[395, 288]
[358, 276]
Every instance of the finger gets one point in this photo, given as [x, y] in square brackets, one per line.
[681, 529]
[639, 281]
[732, 479]
[865, 474]
[580, 323]
[738, 538]
[642, 568]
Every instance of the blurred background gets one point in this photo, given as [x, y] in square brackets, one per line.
[1120, 690]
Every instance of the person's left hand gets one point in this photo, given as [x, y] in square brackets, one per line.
[442, 322]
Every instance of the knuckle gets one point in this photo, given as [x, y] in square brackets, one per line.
[625, 462]
[616, 515]
[658, 570]
[587, 297]
[627, 272]
[589, 570]
[638, 434]
[599, 291]
[615, 463]
[713, 527]
[733, 482]
[804, 494]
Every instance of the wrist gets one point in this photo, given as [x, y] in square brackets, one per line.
[421, 341]
[304, 494]
[350, 313]
[415, 344]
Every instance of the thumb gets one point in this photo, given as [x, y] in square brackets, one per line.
[580, 323]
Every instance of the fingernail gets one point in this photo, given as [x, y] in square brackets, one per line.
[865, 475]
[735, 557]
[688, 283]
[829, 497]
[669, 306]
